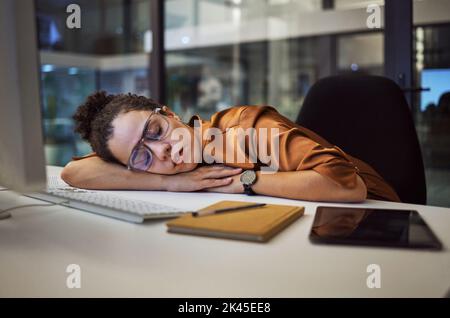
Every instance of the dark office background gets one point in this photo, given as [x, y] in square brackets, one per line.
[219, 53]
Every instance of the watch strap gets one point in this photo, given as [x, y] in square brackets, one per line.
[248, 189]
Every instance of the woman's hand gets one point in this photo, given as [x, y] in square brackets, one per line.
[203, 178]
[235, 186]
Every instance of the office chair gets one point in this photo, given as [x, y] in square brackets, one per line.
[369, 118]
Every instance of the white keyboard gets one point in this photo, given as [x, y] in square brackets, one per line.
[104, 203]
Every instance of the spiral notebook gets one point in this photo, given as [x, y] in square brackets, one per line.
[255, 224]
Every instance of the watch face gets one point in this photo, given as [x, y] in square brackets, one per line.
[248, 177]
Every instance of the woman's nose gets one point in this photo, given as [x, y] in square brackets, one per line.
[161, 149]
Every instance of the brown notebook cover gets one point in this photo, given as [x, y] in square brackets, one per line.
[254, 224]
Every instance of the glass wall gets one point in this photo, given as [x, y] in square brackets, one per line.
[111, 51]
[107, 26]
[432, 104]
[63, 89]
[228, 52]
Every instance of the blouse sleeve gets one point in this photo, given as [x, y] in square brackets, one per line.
[331, 162]
[92, 154]
[298, 149]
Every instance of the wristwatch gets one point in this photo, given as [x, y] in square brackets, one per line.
[248, 178]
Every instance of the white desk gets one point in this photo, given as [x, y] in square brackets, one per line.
[125, 259]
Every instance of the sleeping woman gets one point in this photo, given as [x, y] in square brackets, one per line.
[140, 144]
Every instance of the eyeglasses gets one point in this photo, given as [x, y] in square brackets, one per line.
[155, 129]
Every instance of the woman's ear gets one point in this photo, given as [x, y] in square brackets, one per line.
[170, 113]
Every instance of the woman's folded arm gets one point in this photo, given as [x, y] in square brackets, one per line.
[301, 185]
[309, 185]
[95, 173]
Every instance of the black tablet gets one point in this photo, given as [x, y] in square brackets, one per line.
[372, 227]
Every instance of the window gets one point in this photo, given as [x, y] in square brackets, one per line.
[111, 51]
[432, 105]
[224, 53]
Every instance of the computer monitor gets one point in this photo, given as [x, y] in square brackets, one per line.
[22, 160]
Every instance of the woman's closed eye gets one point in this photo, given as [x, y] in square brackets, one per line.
[154, 131]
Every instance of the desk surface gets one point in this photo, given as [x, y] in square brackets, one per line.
[127, 260]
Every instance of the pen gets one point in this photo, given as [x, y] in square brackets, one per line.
[232, 209]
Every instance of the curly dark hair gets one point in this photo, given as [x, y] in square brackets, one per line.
[93, 118]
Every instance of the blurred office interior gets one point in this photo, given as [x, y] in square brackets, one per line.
[220, 53]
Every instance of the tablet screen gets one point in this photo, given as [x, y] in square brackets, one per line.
[375, 227]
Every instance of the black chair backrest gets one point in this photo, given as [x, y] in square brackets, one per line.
[369, 118]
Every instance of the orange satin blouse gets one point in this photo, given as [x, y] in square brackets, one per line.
[301, 149]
